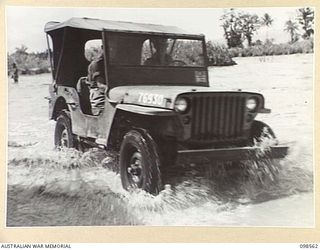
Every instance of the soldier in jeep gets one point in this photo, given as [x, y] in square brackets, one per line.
[97, 80]
[160, 57]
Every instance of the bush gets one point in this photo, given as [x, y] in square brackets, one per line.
[29, 63]
[270, 49]
[305, 46]
[219, 55]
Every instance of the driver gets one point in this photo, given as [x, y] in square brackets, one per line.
[96, 78]
[160, 57]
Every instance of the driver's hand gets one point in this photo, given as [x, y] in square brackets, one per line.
[100, 83]
[99, 79]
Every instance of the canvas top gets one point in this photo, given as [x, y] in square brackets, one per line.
[118, 26]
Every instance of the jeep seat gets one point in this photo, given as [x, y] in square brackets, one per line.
[83, 90]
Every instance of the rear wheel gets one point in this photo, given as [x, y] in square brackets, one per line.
[63, 136]
[140, 162]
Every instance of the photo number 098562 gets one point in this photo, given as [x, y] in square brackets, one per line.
[309, 246]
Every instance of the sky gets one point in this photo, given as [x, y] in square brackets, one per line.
[25, 25]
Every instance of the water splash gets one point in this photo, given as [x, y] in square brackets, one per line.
[87, 184]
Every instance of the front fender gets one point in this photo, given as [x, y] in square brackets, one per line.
[142, 110]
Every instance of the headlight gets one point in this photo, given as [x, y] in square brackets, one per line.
[251, 104]
[181, 104]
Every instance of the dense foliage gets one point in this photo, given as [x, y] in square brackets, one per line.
[29, 63]
[219, 55]
[270, 49]
[306, 20]
[239, 26]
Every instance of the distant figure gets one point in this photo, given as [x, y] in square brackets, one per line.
[15, 73]
[96, 78]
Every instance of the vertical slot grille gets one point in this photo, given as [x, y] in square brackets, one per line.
[217, 117]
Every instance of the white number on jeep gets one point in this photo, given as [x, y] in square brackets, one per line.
[147, 98]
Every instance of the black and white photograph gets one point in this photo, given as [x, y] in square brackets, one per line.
[160, 117]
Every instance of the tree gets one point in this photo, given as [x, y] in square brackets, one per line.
[266, 20]
[232, 29]
[239, 26]
[218, 55]
[250, 23]
[306, 20]
[22, 50]
[292, 28]
[26, 61]
[21, 55]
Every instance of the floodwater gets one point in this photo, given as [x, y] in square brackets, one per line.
[46, 189]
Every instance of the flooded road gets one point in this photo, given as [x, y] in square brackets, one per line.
[65, 188]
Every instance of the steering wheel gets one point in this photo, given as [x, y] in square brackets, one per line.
[177, 63]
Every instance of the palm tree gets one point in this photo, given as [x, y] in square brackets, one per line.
[266, 21]
[306, 20]
[22, 50]
[292, 28]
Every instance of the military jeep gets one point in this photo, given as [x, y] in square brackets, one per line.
[159, 106]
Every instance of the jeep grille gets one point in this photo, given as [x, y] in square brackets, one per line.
[218, 116]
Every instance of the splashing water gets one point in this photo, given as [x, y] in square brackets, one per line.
[47, 187]
[89, 192]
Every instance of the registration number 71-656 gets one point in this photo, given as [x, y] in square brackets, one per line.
[147, 98]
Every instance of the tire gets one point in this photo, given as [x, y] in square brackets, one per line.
[267, 169]
[63, 136]
[168, 152]
[140, 162]
[261, 132]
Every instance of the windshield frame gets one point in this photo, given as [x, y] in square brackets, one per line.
[149, 35]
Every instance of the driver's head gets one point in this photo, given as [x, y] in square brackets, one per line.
[160, 44]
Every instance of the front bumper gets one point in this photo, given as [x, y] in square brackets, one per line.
[234, 154]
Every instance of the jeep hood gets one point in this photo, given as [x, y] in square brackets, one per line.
[153, 96]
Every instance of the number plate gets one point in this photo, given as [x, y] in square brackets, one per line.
[151, 99]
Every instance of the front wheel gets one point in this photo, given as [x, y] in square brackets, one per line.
[265, 171]
[262, 134]
[63, 136]
[140, 162]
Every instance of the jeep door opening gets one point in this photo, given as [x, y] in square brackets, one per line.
[158, 106]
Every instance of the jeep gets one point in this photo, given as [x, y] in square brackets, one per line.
[158, 107]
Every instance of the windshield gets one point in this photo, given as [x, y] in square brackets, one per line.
[138, 50]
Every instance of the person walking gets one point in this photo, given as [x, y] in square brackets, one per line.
[15, 73]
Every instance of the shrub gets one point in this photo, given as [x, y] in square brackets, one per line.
[219, 55]
[269, 49]
[29, 63]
